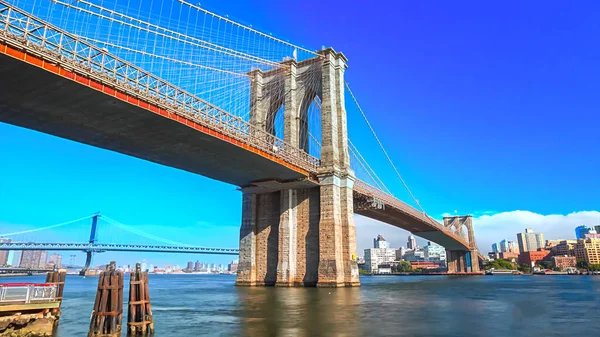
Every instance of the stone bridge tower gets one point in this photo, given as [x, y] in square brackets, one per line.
[294, 235]
[461, 261]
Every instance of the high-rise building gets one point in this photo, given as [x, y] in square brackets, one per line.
[530, 241]
[503, 246]
[434, 252]
[411, 244]
[597, 228]
[55, 260]
[588, 250]
[33, 259]
[380, 253]
[380, 242]
[4, 254]
[512, 247]
[495, 248]
[14, 258]
[581, 231]
[197, 266]
[190, 266]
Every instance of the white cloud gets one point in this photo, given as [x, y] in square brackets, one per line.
[488, 228]
[506, 225]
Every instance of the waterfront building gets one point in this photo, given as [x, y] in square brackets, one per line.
[591, 235]
[530, 258]
[379, 254]
[513, 257]
[597, 228]
[495, 248]
[400, 253]
[424, 265]
[434, 252]
[417, 254]
[564, 262]
[197, 266]
[588, 250]
[581, 231]
[55, 260]
[384, 268]
[530, 241]
[190, 266]
[411, 244]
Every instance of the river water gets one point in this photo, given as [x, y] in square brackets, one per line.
[210, 305]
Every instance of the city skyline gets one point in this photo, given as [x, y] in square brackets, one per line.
[77, 180]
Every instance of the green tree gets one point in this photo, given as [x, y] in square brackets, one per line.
[404, 267]
[595, 267]
[363, 272]
[524, 268]
[581, 264]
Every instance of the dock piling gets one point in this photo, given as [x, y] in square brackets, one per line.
[139, 318]
[107, 314]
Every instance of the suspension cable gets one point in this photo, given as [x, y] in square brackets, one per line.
[383, 149]
[47, 227]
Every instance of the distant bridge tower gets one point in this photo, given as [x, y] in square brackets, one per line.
[458, 260]
[300, 233]
[89, 252]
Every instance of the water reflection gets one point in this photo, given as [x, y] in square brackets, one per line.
[299, 311]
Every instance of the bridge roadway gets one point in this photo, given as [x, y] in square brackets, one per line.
[44, 91]
[99, 248]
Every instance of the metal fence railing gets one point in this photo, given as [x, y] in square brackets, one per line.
[27, 293]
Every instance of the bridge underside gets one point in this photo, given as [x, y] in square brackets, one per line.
[36, 99]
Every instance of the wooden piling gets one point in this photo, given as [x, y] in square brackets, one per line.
[139, 318]
[57, 277]
[107, 314]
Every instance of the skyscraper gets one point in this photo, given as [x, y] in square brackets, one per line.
[197, 266]
[495, 248]
[411, 244]
[530, 241]
[512, 247]
[190, 266]
[581, 231]
[597, 228]
[503, 246]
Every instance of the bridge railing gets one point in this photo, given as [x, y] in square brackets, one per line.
[27, 292]
[26, 32]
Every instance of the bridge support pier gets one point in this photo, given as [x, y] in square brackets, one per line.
[306, 236]
[461, 261]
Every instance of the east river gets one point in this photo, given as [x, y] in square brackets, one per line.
[210, 305]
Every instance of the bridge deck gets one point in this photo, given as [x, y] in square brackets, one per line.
[40, 100]
[402, 215]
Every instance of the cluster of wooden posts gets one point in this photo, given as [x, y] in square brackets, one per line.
[108, 308]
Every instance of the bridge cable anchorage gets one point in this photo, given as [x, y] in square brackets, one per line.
[46, 227]
[382, 148]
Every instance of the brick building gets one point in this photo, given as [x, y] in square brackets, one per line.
[564, 262]
[532, 257]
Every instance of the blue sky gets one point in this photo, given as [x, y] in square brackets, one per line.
[485, 108]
